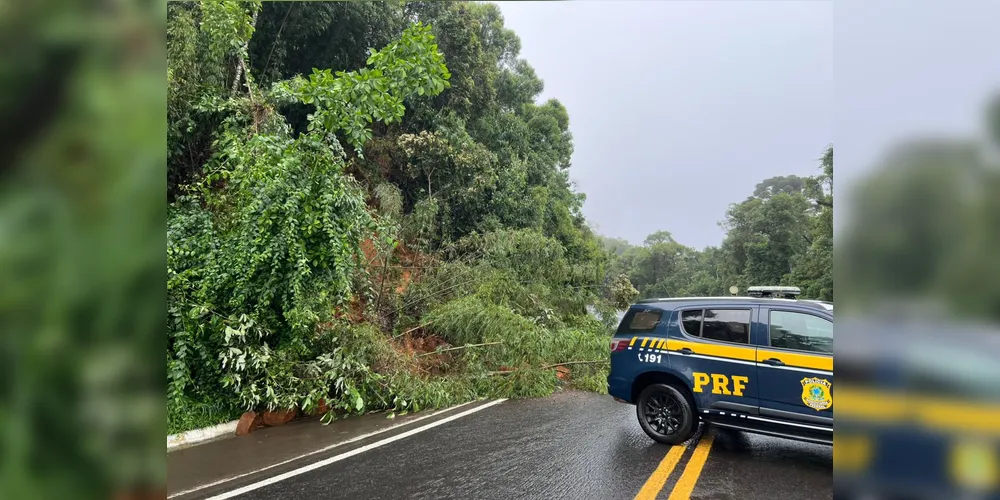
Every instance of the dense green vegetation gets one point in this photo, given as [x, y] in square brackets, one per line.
[923, 228]
[369, 210]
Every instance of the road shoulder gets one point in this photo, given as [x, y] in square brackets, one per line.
[214, 467]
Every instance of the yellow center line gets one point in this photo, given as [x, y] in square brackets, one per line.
[692, 471]
[659, 477]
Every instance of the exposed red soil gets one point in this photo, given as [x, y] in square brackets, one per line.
[420, 348]
[422, 344]
[404, 280]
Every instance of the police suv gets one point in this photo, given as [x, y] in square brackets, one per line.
[762, 364]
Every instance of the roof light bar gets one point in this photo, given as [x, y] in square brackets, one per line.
[774, 291]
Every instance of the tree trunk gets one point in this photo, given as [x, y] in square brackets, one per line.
[241, 58]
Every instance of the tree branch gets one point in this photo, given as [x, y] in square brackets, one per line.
[549, 367]
[413, 329]
[456, 348]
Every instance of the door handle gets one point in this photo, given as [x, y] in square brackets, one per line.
[686, 351]
[774, 362]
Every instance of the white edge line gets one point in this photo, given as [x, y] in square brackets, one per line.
[328, 448]
[342, 456]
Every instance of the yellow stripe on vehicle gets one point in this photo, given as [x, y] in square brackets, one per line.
[935, 413]
[649, 342]
[852, 452]
[871, 406]
[706, 349]
[796, 360]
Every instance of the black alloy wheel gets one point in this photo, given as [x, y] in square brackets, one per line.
[665, 414]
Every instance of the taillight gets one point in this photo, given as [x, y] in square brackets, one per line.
[619, 344]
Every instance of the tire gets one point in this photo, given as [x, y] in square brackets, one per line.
[665, 414]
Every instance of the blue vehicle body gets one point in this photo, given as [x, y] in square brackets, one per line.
[920, 411]
[745, 382]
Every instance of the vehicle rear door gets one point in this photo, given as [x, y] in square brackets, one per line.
[710, 347]
[795, 365]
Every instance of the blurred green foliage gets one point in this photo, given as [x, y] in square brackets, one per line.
[81, 250]
[935, 205]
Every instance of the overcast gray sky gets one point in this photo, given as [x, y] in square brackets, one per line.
[678, 109]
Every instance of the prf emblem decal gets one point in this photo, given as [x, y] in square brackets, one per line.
[974, 465]
[816, 393]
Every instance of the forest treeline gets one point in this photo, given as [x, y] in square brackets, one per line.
[370, 209]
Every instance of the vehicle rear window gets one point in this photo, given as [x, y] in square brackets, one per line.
[691, 320]
[644, 321]
[726, 325]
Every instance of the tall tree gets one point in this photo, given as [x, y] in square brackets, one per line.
[813, 270]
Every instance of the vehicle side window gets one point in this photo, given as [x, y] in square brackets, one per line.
[644, 321]
[726, 325]
[691, 321]
[801, 332]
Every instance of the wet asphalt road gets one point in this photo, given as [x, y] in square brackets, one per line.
[571, 445]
